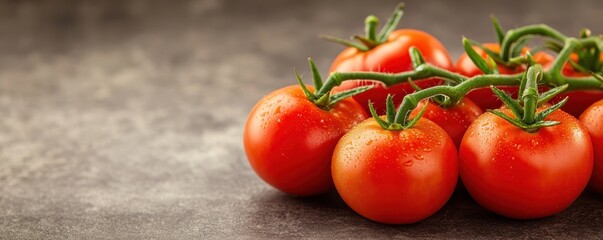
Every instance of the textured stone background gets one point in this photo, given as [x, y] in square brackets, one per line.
[123, 119]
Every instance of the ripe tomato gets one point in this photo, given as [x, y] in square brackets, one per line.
[454, 120]
[579, 100]
[391, 57]
[289, 141]
[592, 118]
[484, 97]
[395, 177]
[525, 175]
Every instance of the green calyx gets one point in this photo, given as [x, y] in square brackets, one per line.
[493, 58]
[500, 33]
[487, 67]
[371, 38]
[524, 108]
[390, 123]
[325, 100]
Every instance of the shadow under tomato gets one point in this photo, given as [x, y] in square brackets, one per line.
[275, 214]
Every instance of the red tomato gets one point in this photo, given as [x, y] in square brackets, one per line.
[395, 177]
[578, 100]
[592, 118]
[289, 141]
[525, 175]
[391, 57]
[484, 97]
[454, 120]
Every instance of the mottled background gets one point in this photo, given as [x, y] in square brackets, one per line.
[123, 119]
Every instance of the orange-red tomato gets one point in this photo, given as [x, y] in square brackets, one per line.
[395, 177]
[525, 175]
[592, 118]
[289, 141]
[454, 120]
[391, 57]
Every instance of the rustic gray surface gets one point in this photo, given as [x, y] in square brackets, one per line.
[123, 120]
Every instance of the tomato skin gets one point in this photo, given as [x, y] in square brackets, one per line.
[289, 141]
[525, 175]
[578, 100]
[592, 118]
[454, 120]
[484, 97]
[395, 177]
[391, 57]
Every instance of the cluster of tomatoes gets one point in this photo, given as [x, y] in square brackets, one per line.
[406, 174]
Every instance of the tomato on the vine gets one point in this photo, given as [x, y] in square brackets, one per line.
[484, 97]
[522, 174]
[289, 141]
[395, 177]
[391, 57]
[592, 118]
[454, 120]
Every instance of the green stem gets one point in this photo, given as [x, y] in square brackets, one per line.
[530, 94]
[465, 85]
[411, 101]
[554, 77]
[557, 68]
[454, 93]
[582, 83]
[421, 72]
[515, 34]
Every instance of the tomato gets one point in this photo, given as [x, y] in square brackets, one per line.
[395, 177]
[525, 175]
[454, 120]
[484, 97]
[592, 118]
[579, 100]
[289, 141]
[391, 57]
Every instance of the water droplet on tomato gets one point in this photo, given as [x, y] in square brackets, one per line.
[408, 163]
[418, 157]
[427, 149]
